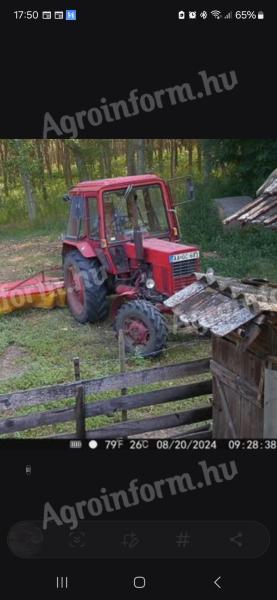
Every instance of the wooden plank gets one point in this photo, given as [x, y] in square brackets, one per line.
[218, 415]
[263, 208]
[252, 332]
[225, 407]
[61, 391]
[193, 432]
[80, 414]
[200, 435]
[103, 407]
[270, 220]
[241, 211]
[224, 351]
[129, 428]
[243, 385]
[236, 383]
[270, 404]
[251, 417]
[251, 368]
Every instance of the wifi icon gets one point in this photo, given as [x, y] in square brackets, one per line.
[216, 14]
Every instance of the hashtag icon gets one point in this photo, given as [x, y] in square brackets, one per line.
[183, 540]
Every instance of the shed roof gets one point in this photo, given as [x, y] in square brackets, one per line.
[222, 304]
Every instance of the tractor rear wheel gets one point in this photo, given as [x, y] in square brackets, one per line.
[86, 290]
[145, 328]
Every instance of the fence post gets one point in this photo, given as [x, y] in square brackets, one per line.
[76, 363]
[80, 410]
[122, 363]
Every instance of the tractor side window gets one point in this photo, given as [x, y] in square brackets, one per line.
[93, 218]
[75, 227]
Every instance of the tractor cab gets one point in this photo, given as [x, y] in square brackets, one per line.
[123, 239]
[112, 211]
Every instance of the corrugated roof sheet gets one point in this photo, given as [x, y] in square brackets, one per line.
[222, 304]
[263, 210]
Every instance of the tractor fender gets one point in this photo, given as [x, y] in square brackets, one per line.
[126, 290]
[82, 246]
[123, 294]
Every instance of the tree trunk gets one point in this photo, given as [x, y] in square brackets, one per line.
[190, 151]
[160, 156]
[26, 179]
[30, 196]
[107, 158]
[4, 165]
[130, 157]
[67, 166]
[140, 157]
[78, 154]
[172, 158]
[39, 146]
[175, 155]
[46, 156]
[149, 152]
[59, 154]
[199, 157]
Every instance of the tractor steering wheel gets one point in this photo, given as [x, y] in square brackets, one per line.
[119, 218]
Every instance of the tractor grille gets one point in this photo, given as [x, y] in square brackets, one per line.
[184, 267]
[183, 273]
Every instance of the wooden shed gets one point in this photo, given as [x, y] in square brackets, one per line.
[242, 318]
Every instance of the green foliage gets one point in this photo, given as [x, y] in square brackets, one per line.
[232, 252]
[245, 162]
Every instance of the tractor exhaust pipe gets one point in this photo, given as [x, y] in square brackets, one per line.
[138, 241]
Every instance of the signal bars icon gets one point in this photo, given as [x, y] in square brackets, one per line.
[229, 15]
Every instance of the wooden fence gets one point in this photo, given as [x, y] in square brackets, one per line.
[122, 381]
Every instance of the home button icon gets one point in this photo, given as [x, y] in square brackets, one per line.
[139, 582]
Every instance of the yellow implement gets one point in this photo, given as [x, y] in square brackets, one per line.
[37, 291]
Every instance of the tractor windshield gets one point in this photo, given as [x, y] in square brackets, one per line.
[135, 207]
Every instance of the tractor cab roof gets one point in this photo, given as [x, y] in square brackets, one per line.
[85, 187]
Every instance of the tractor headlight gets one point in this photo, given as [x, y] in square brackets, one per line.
[150, 283]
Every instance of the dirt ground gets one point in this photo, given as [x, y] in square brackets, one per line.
[11, 362]
[19, 259]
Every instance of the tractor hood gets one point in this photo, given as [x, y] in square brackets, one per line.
[161, 252]
[173, 265]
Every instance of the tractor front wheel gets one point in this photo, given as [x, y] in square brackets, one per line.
[144, 327]
[85, 287]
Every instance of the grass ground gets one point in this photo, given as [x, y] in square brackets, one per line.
[37, 347]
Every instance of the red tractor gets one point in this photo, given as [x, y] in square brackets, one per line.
[123, 239]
